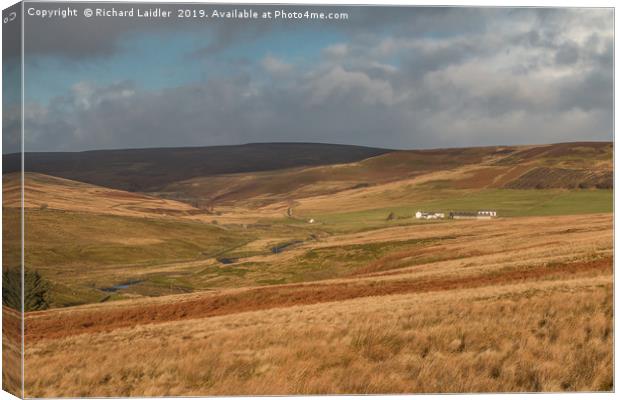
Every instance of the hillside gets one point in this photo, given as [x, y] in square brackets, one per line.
[215, 281]
[584, 165]
[289, 170]
[164, 246]
[150, 169]
[44, 191]
[494, 306]
[172, 241]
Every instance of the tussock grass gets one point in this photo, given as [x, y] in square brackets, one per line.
[533, 336]
[510, 305]
[11, 351]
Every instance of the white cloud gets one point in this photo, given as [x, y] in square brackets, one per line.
[276, 66]
[339, 84]
[532, 76]
[337, 50]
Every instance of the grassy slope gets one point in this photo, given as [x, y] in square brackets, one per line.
[112, 237]
[512, 309]
[543, 336]
[149, 169]
[259, 188]
[517, 304]
[81, 252]
[508, 203]
[44, 191]
[563, 166]
[78, 253]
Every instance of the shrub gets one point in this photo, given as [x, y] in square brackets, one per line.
[35, 286]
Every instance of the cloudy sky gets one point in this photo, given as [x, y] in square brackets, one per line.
[389, 77]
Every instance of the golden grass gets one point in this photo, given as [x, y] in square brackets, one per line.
[503, 308]
[49, 192]
[44, 191]
[52, 324]
[534, 336]
[11, 351]
[509, 305]
[482, 253]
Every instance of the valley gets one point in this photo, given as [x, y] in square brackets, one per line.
[272, 260]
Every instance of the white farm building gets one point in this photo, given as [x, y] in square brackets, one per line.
[483, 214]
[429, 215]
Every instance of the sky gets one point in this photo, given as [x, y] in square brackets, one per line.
[390, 77]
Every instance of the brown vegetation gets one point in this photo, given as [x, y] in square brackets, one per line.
[544, 178]
[534, 336]
[570, 164]
[52, 325]
[11, 351]
[48, 192]
[509, 308]
[353, 302]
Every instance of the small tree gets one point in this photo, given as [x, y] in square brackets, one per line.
[36, 296]
[37, 291]
[11, 288]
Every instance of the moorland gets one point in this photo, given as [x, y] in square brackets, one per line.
[291, 268]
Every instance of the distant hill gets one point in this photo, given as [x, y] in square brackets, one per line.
[152, 169]
[45, 192]
[585, 165]
[269, 172]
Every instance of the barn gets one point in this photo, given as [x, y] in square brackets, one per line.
[482, 214]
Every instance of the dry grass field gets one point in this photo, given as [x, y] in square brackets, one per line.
[11, 351]
[506, 308]
[319, 279]
[551, 335]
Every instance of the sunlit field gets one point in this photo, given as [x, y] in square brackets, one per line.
[323, 280]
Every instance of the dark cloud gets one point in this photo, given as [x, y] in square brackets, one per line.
[104, 36]
[11, 81]
[455, 77]
[567, 54]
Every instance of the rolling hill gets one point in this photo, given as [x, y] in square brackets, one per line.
[45, 191]
[264, 173]
[174, 240]
[300, 268]
[557, 166]
[150, 169]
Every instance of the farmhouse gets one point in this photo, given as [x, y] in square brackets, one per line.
[482, 214]
[429, 215]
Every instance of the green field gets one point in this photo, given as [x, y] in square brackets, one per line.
[80, 253]
[60, 238]
[83, 253]
[507, 202]
[522, 203]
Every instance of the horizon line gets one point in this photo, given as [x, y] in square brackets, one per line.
[304, 143]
